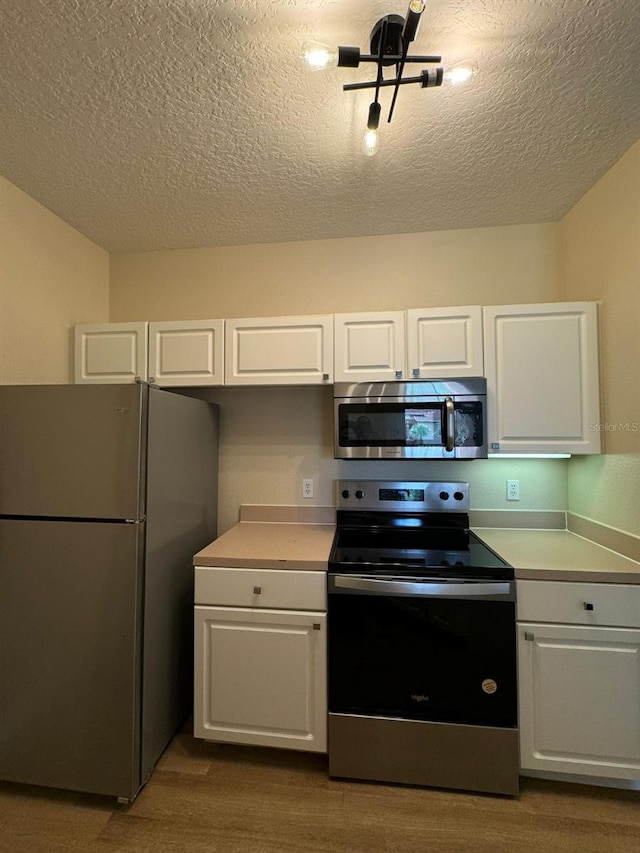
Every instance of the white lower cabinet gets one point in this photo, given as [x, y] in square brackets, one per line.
[579, 679]
[260, 672]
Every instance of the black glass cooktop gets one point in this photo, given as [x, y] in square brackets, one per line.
[417, 552]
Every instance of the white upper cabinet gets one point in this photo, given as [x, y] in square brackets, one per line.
[429, 343]
[542, 378]
[279, 351]
[369, 346]
[188, 352]
[444, 342]
[110, 352]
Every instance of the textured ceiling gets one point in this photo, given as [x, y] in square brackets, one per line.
[151, 124]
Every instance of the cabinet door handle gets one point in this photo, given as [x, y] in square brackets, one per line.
[257, 590]
[528, 636]
[398, 374]
[588, 605]
[416, 371]
[316, 626]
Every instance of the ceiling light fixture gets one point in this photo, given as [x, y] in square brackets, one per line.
[389, 44]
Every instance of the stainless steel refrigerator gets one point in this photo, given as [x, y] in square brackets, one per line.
[106, 492]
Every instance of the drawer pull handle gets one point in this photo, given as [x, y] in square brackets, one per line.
[316, 626]
[587, 605]
[257, 590]
[528, 636]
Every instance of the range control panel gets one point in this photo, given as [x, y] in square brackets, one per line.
[402, 495]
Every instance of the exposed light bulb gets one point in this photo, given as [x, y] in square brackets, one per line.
[370, 142]
[370, 139]
[318, 56]
[461, 73]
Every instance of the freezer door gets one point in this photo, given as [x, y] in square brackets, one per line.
[70, 661]
[72, 451]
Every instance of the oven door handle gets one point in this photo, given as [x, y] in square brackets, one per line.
[433, 589]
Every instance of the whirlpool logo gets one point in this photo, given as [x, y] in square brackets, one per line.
[419, 697]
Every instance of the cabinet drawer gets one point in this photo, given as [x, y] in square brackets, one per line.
[617, 605]
[273, 588]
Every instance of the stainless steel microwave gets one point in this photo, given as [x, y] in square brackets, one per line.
[444, 419]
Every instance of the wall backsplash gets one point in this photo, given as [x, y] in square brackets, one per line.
[272, 438]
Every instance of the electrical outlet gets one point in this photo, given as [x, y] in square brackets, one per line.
[513, 490]
[307, 488]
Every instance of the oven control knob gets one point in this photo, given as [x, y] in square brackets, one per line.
[444, 496]
[359, 494]
[458, 496]
[345, 493]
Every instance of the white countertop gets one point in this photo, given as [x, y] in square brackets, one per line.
[559, 555]
[534, 554]
[270, 545]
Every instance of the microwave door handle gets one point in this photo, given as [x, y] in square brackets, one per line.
[450, 426]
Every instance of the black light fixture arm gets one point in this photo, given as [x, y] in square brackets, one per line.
[429, 77]
[395, 59]
[383, 40]
[409, 32]
[390, 41]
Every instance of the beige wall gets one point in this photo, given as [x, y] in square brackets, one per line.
[606, 489]
[271, 438]
[465, 267]
[600, 259]
[600, 256]
[51, 277]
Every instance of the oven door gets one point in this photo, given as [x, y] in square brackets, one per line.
[414, 428]
[416, 649]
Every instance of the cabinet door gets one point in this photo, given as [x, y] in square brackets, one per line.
[260, 677]
[110, 352]
[186, 353]
[279, 351]
[444, 342]
[542, 378]
[369, 347]
[579, 693]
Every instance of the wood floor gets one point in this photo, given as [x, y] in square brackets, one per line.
[208, 798]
